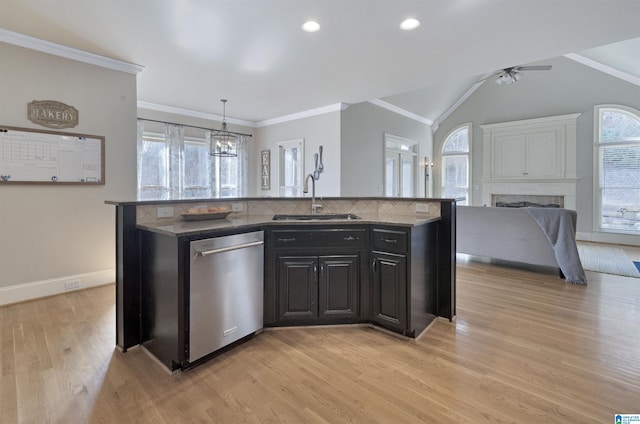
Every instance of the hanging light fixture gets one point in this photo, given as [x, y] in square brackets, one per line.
[223, 142]
[508, 76]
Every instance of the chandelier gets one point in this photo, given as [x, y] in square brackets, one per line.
[223, 142]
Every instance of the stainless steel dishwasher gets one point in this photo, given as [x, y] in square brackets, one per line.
[225, 291]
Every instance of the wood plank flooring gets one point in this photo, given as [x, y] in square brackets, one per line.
[525, 348]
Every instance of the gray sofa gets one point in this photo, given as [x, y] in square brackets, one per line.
[509, 234]
[537, 236]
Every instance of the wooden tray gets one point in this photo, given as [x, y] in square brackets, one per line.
[204, 216]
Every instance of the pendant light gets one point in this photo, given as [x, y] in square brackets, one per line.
[223, 142]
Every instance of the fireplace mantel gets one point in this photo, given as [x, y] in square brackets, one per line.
[532, 157]
[565, 189]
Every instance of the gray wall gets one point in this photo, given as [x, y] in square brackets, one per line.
[58, 232]
[316, 131]
[568, 88]
[362, 146]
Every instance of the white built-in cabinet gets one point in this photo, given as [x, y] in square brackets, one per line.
[531, 149]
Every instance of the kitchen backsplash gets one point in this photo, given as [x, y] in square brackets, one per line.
[429, 208]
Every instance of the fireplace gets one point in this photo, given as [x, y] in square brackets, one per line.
[522, 200]
[561, 193]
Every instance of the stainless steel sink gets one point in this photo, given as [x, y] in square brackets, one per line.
[316, 217]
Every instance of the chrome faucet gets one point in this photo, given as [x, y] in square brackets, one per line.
[305, 189]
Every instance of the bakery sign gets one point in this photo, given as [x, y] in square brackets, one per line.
[52, 114]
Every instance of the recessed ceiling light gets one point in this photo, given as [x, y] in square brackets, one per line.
[311, 26]
[411, 23]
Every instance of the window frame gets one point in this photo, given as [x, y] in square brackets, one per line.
[201, 142]
[394, 148]
[468, 154]
[597, 162]
[213, 189]
[154, 137]
[282, 146]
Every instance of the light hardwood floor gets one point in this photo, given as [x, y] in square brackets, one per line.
[525, 348]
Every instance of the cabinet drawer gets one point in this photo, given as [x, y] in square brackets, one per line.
[351, 238]
[389, 241]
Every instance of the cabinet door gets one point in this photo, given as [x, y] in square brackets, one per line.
[297, 287]
[390, 290]
[338, 289]
[544, 157]
[509, 155]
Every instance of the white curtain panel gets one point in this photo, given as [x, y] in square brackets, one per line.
[140, 149]
[174, 136]
[243, 166]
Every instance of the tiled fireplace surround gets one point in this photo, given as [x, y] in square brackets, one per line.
[147, 213]
[562, 192]
[537, 199]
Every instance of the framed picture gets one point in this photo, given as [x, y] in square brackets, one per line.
[265, 169]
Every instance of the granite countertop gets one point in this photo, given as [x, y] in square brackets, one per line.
[193, 228]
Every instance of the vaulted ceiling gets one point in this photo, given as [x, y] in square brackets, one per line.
[255, 54]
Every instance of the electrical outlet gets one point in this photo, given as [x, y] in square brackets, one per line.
[422, 207]
[236, 207]
[73, 284]
[164, 212]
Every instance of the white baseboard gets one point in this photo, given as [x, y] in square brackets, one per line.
[613, 238]
[43, 288]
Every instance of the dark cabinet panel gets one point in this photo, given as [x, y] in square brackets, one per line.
[318, 288]
[127, 278]
[163, 297]
[338, 286]
[316, 275]
[337, 237]
[386, 240]
[390, 290]
[297, 287]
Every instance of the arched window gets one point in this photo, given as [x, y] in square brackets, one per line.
[455, 165]
[618, 169]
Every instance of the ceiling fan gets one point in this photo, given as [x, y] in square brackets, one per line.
[514, 73]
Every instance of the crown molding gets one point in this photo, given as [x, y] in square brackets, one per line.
[193, 113]
[44, 46]
[304, 114]
[400, 111]
[461, 100]
[603, 68]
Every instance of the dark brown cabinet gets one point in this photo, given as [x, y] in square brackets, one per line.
[404, 277]
[297, 287]
[389, 290]
[318, 287]
[381, 274]
[315, 276]
[338, 284]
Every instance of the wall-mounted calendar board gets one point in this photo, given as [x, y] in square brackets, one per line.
[31, 156]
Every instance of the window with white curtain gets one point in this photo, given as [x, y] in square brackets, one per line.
[174, 166]
[153, 170]
[197, 169]
[617, 168]
[455, 165]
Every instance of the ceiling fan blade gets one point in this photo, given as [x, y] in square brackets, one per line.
[534, 68]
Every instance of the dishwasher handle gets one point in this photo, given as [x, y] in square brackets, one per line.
[228, 249]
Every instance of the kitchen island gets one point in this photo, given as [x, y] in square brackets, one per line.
[391, 267]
